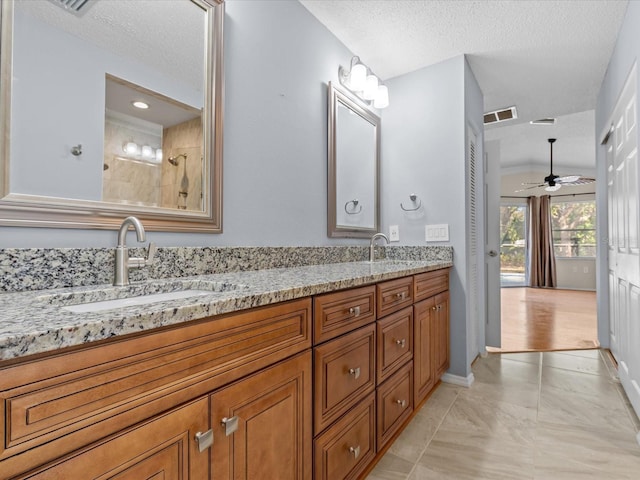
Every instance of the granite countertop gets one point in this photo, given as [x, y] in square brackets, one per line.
[36, 322]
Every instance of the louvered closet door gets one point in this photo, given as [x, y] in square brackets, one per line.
[624, 254]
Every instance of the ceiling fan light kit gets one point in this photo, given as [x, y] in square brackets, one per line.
[552, 182]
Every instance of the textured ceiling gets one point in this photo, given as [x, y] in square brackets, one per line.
[546, 57]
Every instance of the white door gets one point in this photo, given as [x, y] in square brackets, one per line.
[492, 242]
[623, 247]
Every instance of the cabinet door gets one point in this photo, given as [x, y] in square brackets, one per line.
[272, 436]
[163, 448]
[423, 349]
[441, 334]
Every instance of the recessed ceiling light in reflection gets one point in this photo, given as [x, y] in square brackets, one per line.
[140, 104]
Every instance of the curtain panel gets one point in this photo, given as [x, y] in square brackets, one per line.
[541, 258]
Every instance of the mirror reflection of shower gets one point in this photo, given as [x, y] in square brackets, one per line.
[184, 183]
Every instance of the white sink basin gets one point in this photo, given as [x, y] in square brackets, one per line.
[108, 297]
[133, 301]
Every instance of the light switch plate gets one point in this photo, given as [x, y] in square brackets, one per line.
[437, 233]
[394, 233]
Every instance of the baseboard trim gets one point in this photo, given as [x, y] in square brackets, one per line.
[458, 380]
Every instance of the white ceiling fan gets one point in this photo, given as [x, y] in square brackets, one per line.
[554, 182]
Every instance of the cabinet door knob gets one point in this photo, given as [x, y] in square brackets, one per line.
[401, 295]
[204, 440]
[439, 307]
[230, 425]
[355, 311]
[355, 451]
[402, 403]
[401, 343]
[434, 308]
[355, 372]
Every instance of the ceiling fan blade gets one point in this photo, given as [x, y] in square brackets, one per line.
[576, 181]
[567, 178]
[530, 188]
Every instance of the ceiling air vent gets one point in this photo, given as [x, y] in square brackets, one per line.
[543, 121]
[501, 115]
[75, 6]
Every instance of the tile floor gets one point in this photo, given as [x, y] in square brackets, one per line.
[542, 416]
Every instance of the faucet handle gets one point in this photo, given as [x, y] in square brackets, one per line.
[151, 253]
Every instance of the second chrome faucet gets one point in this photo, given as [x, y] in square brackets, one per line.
[372, 245]
[123, 261]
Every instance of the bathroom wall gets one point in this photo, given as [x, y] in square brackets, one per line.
[424, 152]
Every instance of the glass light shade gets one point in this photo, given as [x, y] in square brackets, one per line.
[381, 99]
[147, 152]
[140, 104]
[358, 77]
[553, 188]
[370, 88]
[130, 148]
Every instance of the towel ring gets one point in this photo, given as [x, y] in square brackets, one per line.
[355, 203]
[413, 197]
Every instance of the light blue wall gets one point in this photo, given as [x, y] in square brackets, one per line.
[423, 152]
[278, 61]
[625, 54]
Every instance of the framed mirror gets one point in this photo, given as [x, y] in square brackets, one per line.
[110, 110]
[353, 166]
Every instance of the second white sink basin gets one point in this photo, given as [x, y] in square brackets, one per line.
[133, 301]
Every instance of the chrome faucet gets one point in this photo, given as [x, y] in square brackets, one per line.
[123, 262]
[372, 246]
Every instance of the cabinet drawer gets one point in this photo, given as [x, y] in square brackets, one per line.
[341, 312]
[62, 402]
[395, 342]
[344, 372]
[347, 447]
[430, 283]
[393, 295]
[395, 403]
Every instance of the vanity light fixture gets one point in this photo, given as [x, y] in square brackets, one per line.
[364, 83]
[145, 153]
[140, 104]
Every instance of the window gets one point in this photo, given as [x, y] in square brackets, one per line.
[574, 228]
[512, 245]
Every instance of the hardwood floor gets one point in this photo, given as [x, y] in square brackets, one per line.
[540, 319]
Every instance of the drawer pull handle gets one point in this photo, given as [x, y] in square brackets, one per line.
[355, 372]
[204, 440]
[402, 403]
[355, 451]
[230, 425]
[401, 295]
[355, 311]
[401, 343]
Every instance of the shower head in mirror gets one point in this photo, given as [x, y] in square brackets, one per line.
[174, 160]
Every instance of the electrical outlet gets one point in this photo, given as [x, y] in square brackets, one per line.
[394, 233]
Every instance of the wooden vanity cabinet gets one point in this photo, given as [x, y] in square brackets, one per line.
[63, 403]
[276, 404]
[431, 331]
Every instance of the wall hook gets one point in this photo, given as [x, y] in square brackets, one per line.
[77, 150]
[353, 211]
[413, 197]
